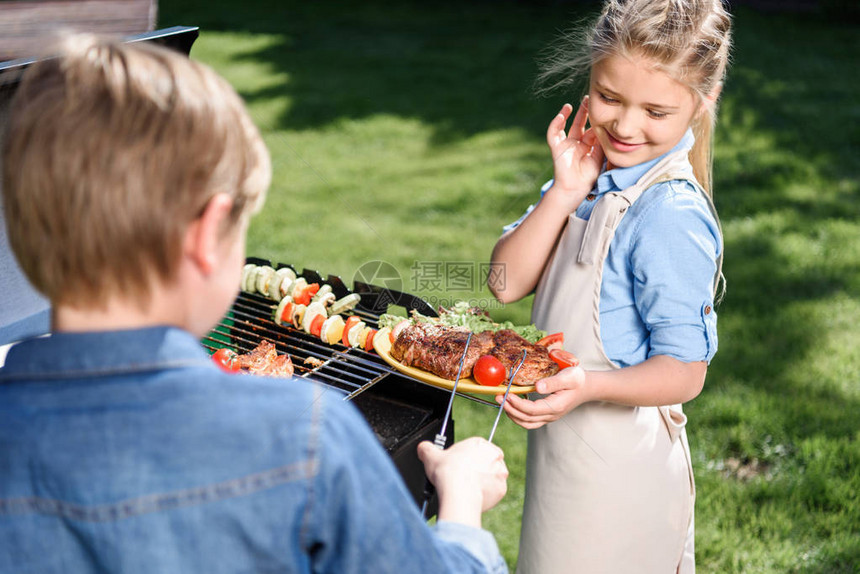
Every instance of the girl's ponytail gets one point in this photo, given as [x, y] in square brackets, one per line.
[702, 155]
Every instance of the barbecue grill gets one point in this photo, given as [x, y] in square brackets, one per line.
[401, 411]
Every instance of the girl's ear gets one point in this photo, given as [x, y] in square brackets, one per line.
[203, 236]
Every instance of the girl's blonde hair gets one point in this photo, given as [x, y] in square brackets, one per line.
[111, 151]
[688, 39]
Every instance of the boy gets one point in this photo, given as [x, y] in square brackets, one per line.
[129, 176]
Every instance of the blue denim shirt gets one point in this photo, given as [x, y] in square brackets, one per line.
[656, 295]
[131, 452]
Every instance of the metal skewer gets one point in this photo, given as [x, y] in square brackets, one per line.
[505, 398]
[440, 439]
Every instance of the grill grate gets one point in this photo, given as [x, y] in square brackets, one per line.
[350, 370]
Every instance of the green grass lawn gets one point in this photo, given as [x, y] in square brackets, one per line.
[408, 134]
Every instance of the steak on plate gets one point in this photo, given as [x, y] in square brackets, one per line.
[439, 348]
[508, 348]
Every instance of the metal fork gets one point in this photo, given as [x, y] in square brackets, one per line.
[505, 398]
[440, 439]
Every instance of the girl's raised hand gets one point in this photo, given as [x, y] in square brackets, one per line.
[576, 155]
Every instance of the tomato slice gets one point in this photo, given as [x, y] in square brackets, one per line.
[227, 359]
[302, 297]
[554, 341]
[287, 314]
[368, 343]
[307, 293]
[316, 325]
[350, 321]
[489, 371]
[563, 359]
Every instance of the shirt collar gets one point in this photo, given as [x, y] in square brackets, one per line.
[74, 354]
[623, 177]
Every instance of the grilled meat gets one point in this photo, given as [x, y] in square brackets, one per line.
[265, 360]
[508, 348]
[439, 348]
[281, 366]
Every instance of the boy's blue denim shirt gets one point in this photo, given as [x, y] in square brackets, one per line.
[130, 451]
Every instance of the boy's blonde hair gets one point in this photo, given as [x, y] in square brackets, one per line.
[111, 151]
[688, 39]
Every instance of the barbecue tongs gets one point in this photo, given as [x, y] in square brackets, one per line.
[440, 439]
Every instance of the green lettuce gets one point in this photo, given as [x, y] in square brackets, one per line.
[461, 314]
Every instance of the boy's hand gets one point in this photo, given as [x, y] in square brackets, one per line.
[577, 156]
[470, 477]
[565, 391]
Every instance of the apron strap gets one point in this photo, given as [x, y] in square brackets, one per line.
[607, 213]
[612, 207]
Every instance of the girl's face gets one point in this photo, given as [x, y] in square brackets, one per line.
[638, 113]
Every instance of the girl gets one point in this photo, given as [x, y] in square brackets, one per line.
[624, 251]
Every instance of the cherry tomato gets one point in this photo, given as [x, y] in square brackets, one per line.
[227, 359]
[563, 359]
[554, 341]
[489, 371]
[350, 321]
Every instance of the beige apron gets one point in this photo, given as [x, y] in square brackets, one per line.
[609, 488]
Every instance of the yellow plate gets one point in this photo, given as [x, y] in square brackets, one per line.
[382, 346]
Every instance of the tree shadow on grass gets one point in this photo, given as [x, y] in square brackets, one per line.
[789, 117]
[461, 67]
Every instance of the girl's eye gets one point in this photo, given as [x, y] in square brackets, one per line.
[606, 98]
[657, 115]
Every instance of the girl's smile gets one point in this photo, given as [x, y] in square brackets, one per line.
[638, 112]
[621, 146]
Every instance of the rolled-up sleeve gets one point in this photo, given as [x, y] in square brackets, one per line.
[674, 263]
[475, 541]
